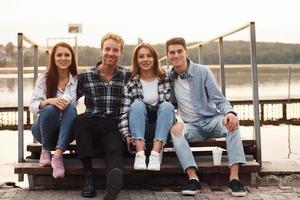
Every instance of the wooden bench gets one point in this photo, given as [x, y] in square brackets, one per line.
[170, 175]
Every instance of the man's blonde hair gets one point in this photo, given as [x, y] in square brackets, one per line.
[112, 36]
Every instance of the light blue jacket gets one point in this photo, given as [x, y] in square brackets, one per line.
[207, 99]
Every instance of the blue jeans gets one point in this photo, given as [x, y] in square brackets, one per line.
[203, 129]
[139, 124]
[53, 127]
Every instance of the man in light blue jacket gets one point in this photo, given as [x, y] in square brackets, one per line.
[205, 113]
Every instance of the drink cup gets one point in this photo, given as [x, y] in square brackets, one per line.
[67, 97]
[217, 155]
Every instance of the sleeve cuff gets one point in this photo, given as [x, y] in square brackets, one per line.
[232, 113]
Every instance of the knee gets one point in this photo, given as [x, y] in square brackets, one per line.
[166, 107]
[114, 149]
[71, 106]
[50, 110]
[71, 109]
[137, 105]
[176, 129]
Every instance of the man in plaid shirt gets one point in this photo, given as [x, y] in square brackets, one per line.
[102, 87]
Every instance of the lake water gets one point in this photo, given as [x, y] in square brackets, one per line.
[273, 83]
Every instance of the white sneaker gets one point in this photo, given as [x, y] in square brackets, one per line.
[154, 161]
[140, 161]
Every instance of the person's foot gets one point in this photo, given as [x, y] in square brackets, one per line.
[45, 158]
[192, 187]
[114, 184]
[57, 163]
[154, 161]
[236, 188]
[140, 161]
[88, 190]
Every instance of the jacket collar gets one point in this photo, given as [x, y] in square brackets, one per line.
[184, 75]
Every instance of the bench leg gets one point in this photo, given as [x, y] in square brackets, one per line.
[30, 182]
[161, 154]
[20, 177]
[253, 178]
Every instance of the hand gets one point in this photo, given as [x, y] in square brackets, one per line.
[130, 145]
[60, 103]
[231, 122]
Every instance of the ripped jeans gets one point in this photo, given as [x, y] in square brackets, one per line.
[203, 129]
[142, 128]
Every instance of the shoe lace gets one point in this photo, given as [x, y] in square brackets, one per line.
[154, 158]
[191, 184]
[237, 185]
[58, 162]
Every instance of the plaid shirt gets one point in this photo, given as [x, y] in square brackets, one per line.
[134, 90]
[102, 98]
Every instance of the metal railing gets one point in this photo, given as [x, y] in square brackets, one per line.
[22, 38]
[271, 112]
[254, 76]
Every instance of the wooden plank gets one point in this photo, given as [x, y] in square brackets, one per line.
[198, 148]
[169, 166]
[248, 144]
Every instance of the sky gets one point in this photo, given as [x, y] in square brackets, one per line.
[155, 21]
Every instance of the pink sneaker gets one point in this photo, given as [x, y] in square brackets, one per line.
[45, 158]
[57, 164]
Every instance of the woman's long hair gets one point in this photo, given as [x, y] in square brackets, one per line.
[52, 75]
[158, 71]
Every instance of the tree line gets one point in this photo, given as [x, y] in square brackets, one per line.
[235, 52]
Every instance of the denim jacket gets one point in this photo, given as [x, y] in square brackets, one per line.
[207, 99]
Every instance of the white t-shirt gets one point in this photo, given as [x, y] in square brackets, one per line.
[184, 100]
[150, 91]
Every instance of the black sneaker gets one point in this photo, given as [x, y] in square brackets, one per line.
[236, 188]
[191, 188]
[114, 184]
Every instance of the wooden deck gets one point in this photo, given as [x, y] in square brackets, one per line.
[170, 175]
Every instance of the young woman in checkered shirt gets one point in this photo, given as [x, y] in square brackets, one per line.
[149, 114]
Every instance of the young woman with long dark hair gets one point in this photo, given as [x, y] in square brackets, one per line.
[54, 99]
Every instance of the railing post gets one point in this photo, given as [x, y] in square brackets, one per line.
[35, 74]
[200, 57]
[255, 91]
[262, 113]
[76, 51]
[284, 113]
[47, 59]
[28, 118]
[221, 62]
[35, 62]
[20, 103]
